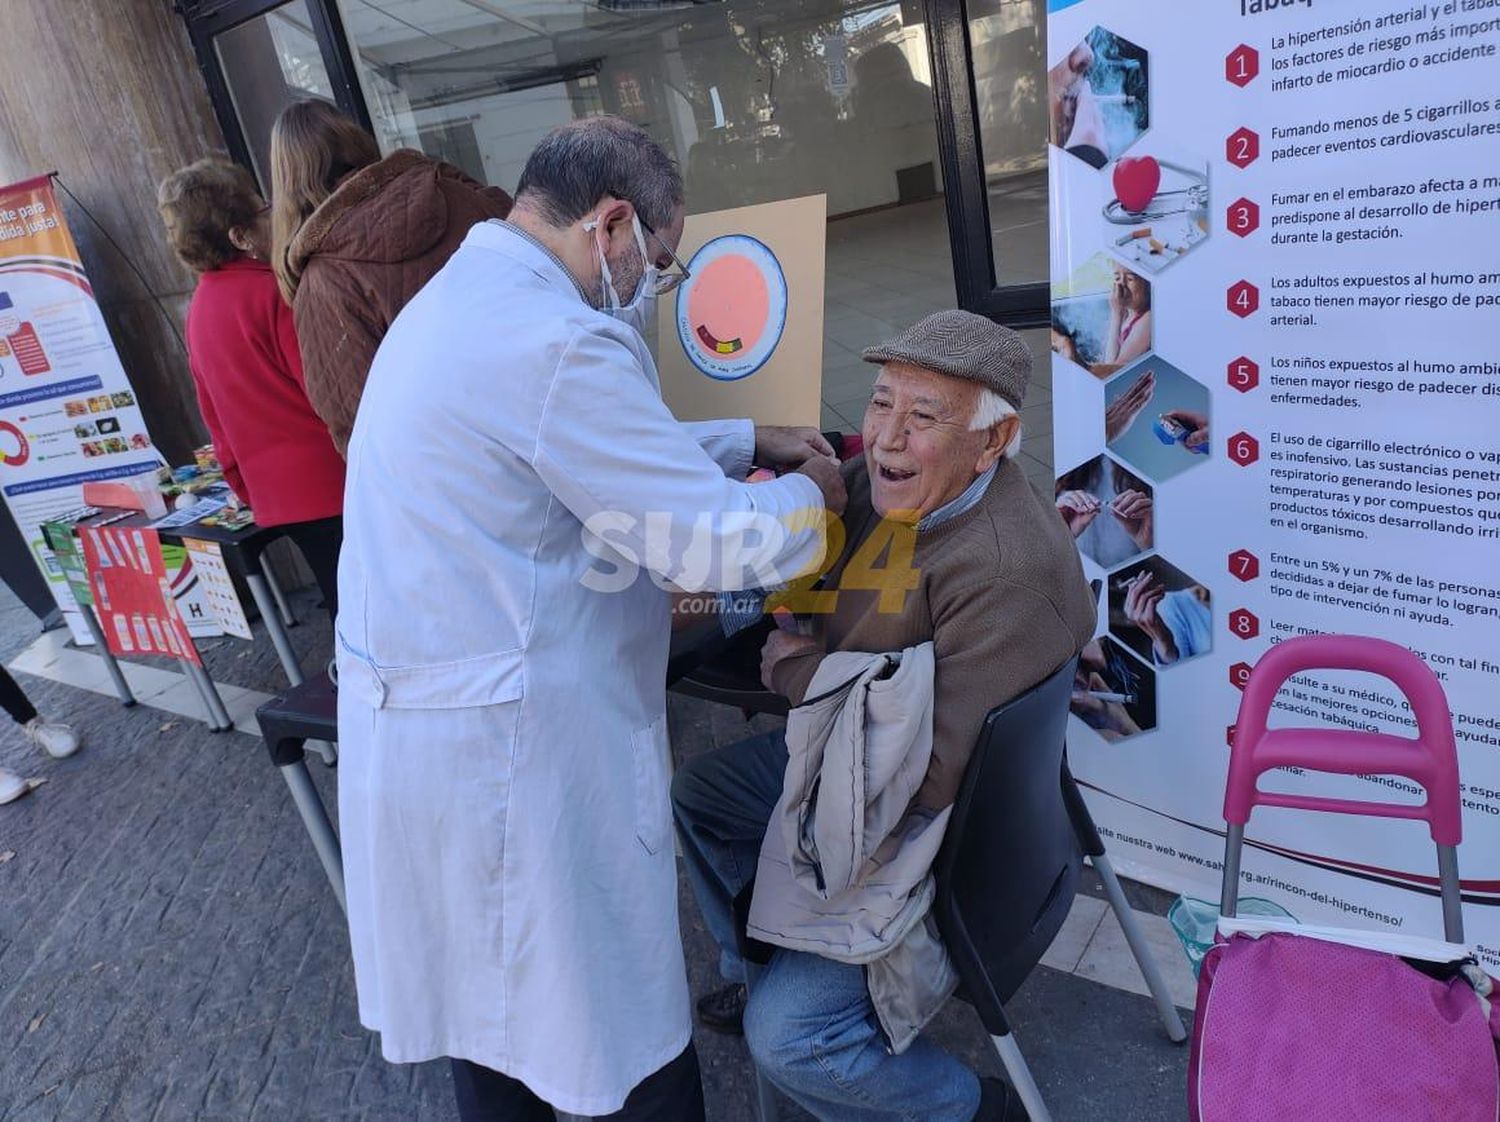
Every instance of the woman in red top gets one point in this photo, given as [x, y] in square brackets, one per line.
[242, 349]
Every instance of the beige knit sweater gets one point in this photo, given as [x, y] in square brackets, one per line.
[998, 589]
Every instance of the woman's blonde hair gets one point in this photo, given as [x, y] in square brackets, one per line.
[200, 204]
[313, 146]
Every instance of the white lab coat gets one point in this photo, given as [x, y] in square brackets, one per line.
[504, 766]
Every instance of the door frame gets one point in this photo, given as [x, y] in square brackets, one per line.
[965, 188]
[208, 19]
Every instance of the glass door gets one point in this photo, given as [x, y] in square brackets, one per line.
[1007, 188]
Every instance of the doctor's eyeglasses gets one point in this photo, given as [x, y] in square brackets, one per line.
[665, 281]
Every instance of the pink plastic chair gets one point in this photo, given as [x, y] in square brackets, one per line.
[1430, 759]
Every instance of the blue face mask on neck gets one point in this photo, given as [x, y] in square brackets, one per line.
[641, 306]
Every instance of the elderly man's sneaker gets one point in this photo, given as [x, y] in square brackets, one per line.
[12, 786]
[999, 1102]
[724, 1010]
[58, 741]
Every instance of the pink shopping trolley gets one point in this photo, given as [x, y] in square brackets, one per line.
[1296, 1022]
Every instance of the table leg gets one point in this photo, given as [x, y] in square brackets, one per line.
[319, 828]
[281, 601]
[272, 615]
[187, 673]
[218, 715]
[122, 687]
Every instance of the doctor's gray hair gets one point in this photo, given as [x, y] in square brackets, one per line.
[577, 164]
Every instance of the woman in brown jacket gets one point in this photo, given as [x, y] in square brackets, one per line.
[354, 236]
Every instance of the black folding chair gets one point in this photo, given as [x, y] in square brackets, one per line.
[1009, 867]
[710, 667]
[304, 713]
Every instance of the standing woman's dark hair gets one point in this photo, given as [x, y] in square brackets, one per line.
[354, 236]
[313, 146]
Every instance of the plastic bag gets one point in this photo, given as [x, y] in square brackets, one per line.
[1194, 922]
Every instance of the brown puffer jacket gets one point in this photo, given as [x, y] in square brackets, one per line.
[363, 254]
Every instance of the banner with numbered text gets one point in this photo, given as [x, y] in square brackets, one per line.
[1276, 399]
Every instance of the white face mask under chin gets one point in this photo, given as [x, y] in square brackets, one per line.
[642, 304]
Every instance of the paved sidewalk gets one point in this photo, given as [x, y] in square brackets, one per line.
[170, 950]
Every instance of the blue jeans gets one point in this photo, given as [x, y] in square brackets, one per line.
[810, 1024]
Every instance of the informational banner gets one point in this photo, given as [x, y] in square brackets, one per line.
[68, 414]
[1275, 292]
[743, 337]
[133, 594]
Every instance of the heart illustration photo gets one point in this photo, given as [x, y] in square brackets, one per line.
[1136, 180]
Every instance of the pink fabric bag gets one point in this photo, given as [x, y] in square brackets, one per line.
[1292, 1028]
[1307, 1024]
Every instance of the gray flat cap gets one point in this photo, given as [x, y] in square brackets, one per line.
[963, 345]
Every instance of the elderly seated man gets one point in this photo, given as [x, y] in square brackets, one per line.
[990, 576]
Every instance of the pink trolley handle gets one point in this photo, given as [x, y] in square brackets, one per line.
[1429, 760]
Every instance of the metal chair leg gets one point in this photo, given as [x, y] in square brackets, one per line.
[319, 828]
[1020, 1077]
[1144, 959]
[765, 1092]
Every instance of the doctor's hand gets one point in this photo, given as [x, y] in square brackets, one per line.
[789, 446]
[825, 473]
[781, 645]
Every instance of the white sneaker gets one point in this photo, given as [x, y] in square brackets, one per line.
[58, 741]
[12, 786]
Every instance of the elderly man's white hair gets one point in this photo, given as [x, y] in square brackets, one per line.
[989, 411]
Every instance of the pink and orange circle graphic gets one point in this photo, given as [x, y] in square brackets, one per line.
[731, 311]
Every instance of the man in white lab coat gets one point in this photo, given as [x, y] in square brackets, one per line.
[503, 782]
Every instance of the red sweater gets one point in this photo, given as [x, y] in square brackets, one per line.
[242, 350]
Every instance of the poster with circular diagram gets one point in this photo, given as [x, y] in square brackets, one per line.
[731, 311]
[743, 335]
